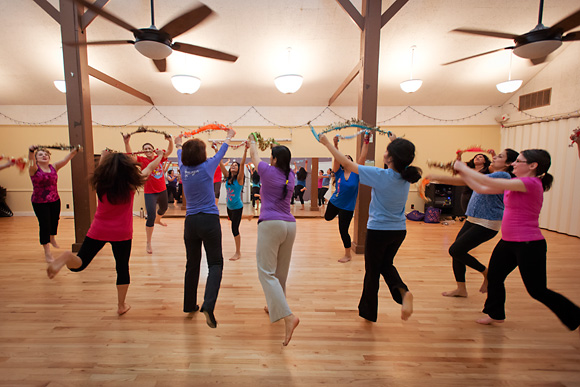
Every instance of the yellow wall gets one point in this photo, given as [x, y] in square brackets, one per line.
[437, 143]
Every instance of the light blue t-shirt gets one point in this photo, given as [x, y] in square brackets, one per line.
[485, 206]
[198, 184]
[234, 191]
[344, 197]
[388, 198]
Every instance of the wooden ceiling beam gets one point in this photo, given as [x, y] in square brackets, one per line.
[89, 15]
[346, 82]
[393, 9]
[352, 12]
[119, 85]
[49, 9]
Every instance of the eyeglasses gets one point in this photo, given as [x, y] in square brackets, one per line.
[521, 161]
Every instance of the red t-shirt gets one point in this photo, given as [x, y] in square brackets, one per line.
[217, 176]
[113, 222]
[156, 181]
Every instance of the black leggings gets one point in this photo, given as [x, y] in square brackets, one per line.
[236, 217]
[344, 218]
[530, 257]
[48, 215]
[255, 191]
[121, 252]
[470, 236]
[321, 192]
[171, 193]
[202, 229]
[151, 201]
[381, 246]
[298, 193]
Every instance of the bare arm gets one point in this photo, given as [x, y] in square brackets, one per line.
[126, 139]
[33, 167]
[335, 163]
[152, 165]
[254, 151]
[7, 164]
[59, 164]
[241, 174]
[169, 146]
[364, 150]
[339, 157]
[443, 179]
[223, 168]
[483, 184]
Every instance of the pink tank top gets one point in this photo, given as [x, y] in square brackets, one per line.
[44, 186]
[113, 222]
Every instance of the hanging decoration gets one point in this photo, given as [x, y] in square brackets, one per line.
[264, 144]
[476, 149]
[216, 142]
[144, 129]
[352, 123]
[20, 162]
[424, 183]
[445, 166]
[60, 147]
[141, 152]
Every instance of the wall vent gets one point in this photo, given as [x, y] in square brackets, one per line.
[535, 99]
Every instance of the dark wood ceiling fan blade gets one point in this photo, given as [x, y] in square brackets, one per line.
[187, 21]
[494, 34]
[537, 61]
[100, 43]
[202, 51]
[475, 56]
[161, 64]
[567, 23]
[571, 36]
[101, 12]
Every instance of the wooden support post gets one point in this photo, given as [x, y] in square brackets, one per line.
[314, 185]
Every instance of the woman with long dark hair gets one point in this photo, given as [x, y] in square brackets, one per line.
[276, 233]
[202, 223]
[45, 198]
[343, 200]
[234, 203]
[483, 223]
[300, 187]
[479, 163]
[386, 226]
[522, 244]
[115, 180]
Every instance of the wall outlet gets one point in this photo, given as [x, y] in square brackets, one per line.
[67, 206]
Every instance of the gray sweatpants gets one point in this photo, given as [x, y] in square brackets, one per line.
[274, 251]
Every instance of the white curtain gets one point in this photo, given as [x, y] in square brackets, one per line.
[561, 209]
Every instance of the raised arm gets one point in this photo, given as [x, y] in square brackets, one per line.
[154, 164]
[169, 145]
[241, 174]
[364, 150]
[254, 151]
[126, 139]
[32, 159]
[444, 179]
[59, 164]
[339, 157]
[7, 164]
[483, 184]
[335, 163]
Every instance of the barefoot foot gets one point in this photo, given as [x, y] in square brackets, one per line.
[235, 257]
[149, 249]
[407, 308]
[159, 222]
[290, 322]
[455, 293]
[54, 267]
[123, 309]
[48, 257]
[53, 242]
[344, 259]
[483, 288]
[488, 321]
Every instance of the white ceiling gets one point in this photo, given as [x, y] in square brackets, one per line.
[325, 42]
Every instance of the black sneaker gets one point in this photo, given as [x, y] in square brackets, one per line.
[209, 318]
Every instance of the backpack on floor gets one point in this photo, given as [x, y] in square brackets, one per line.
[415, 215]
[432, 215]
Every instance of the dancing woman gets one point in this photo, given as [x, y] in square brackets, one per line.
[155, 189]
[276, 233]
[115, 180]
[202, 223]
[479, 163]
[255, 187]
[234, 203]
[323, 185]
[522, 244]
[45, 199]
[483, 223]
[343, 200]
[386, 226]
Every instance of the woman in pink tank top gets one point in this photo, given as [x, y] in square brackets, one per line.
[522, 244]
[115, 180]
[45, 199]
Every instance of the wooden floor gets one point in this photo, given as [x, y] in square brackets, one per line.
[65, 332]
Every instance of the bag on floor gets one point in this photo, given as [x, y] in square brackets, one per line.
[432, 215]
[415, 215]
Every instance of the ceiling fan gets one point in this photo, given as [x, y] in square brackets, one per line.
[536, 44]
[158, 44]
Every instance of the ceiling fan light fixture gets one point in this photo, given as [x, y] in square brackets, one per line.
[539, 49]
[509, 86]
[186, 84]
[152, 49]
[288, 83]
[60, 85]
[411, 85]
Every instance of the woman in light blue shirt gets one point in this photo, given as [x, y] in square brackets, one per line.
[235, 205]
[386, 227]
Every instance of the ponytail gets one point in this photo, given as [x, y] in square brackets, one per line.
[547, 181]
[411, 174]
[544, 161]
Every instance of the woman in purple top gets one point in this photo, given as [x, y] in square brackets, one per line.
[45, 199]
[202, 223]
[522, 244]
[276, 233]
